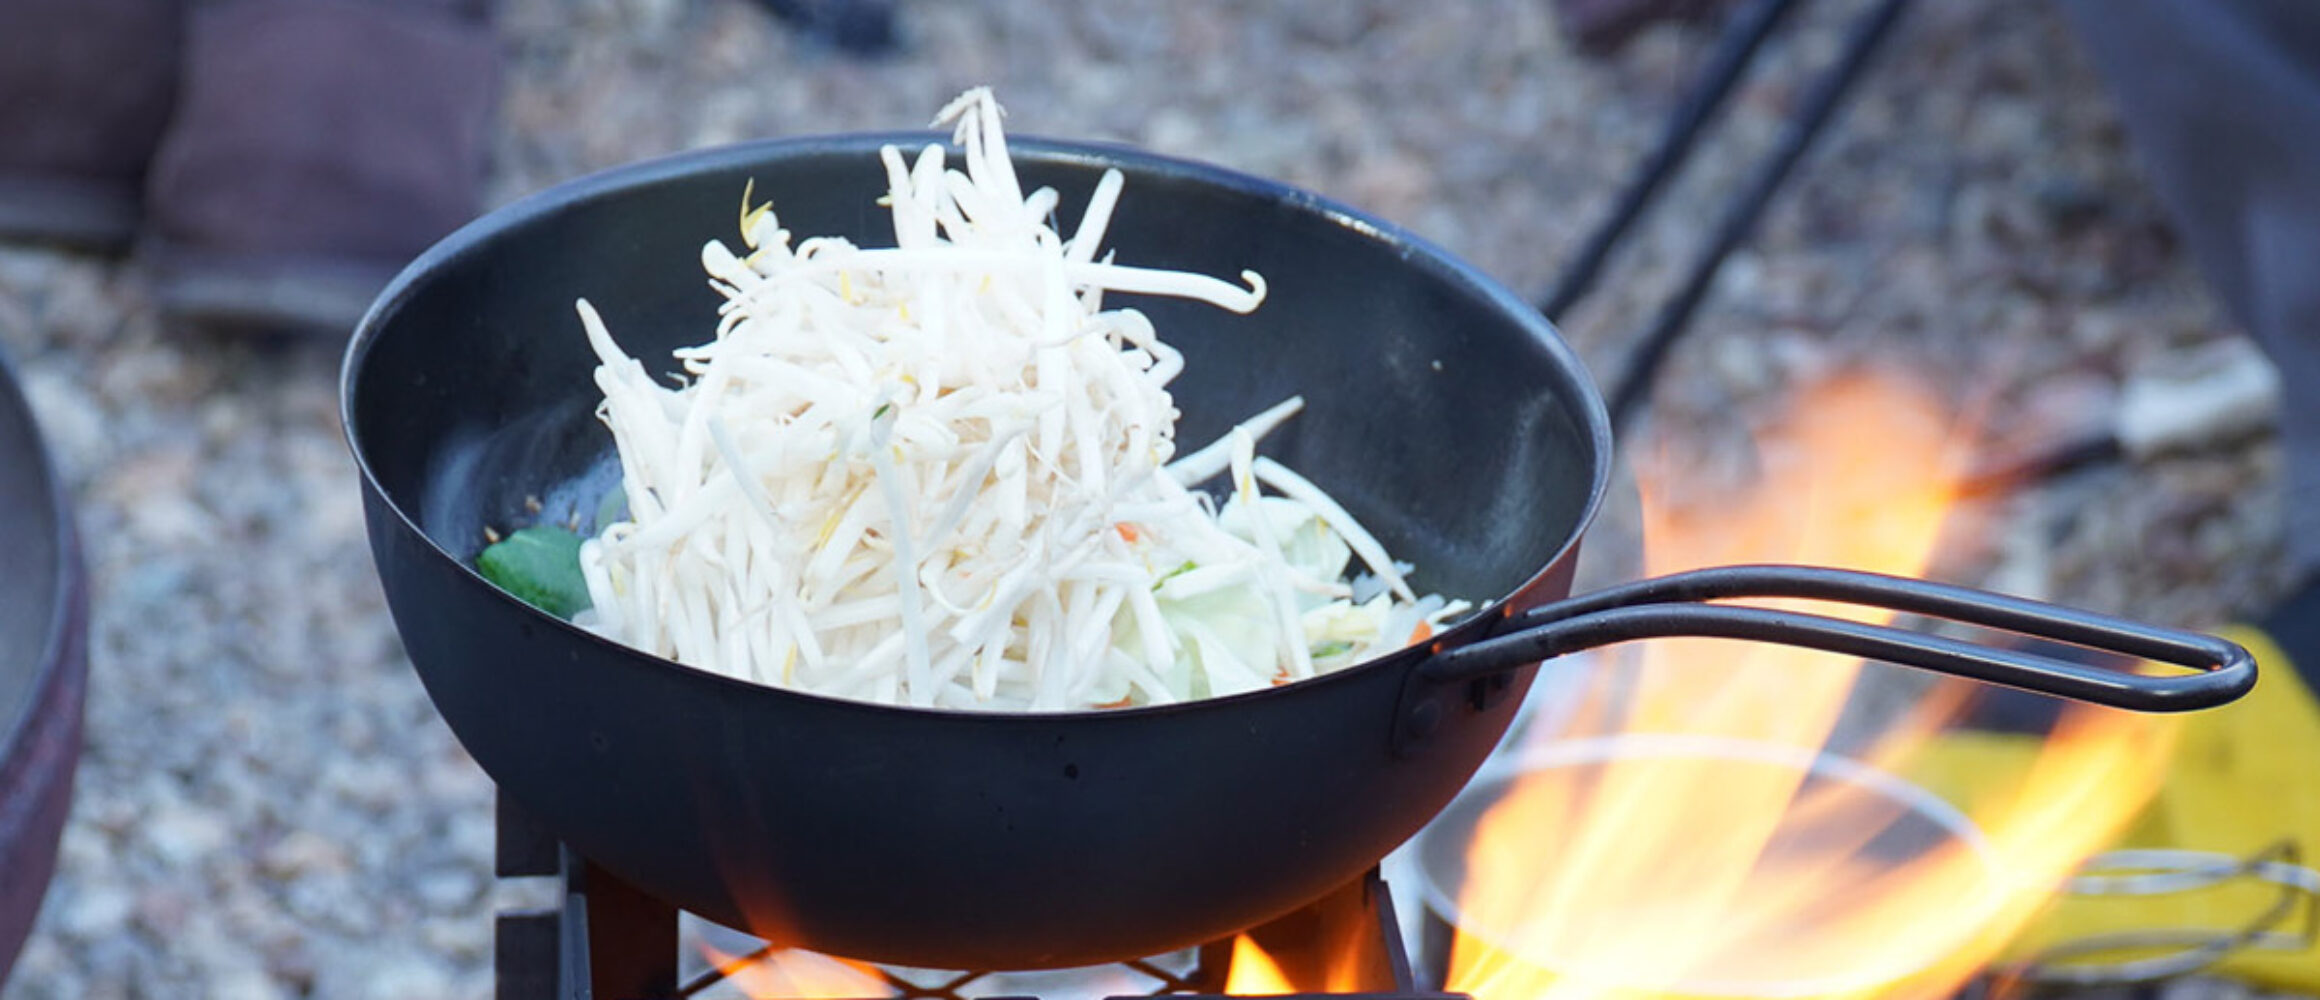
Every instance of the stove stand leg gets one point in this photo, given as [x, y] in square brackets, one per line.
[524, 960]
[524, 955]
[619, 943]
[525, 849]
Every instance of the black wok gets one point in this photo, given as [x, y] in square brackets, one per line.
[43, 666]
[1441, 410]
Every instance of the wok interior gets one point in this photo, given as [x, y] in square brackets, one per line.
[1441, 412]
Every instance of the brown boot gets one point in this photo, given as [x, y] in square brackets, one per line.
[85, 87]
[317, 146]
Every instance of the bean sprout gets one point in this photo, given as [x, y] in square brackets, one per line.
[938, 474]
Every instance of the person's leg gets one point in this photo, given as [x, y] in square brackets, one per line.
[316, 147]
[85, 88]
[2221, 102]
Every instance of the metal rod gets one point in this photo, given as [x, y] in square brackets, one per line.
[1739, 221]
[2180, 950]
[2012, 472]
[1735, 51]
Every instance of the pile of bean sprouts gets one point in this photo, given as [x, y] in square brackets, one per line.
[939, 474]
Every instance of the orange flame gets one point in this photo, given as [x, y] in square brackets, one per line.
[1254, 973]
[1693, 834]
[1343, 965]
[793, 974]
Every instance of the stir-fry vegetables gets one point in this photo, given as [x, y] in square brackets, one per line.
[540, 565]
[937, 474]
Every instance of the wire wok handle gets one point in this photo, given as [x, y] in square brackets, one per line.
[1675, 605]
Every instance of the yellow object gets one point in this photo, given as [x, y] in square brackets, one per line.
[2243, 779]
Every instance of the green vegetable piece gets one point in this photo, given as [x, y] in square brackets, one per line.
[1329, 649]
[540, 565]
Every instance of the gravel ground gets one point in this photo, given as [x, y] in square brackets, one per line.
[269, 807]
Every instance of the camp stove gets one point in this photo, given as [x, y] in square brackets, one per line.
[607, 940]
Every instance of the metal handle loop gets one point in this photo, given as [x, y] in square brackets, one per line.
[1675, 605]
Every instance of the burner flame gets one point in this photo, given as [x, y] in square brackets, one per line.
[1696, 830]
[794, 974]
[1254, 973]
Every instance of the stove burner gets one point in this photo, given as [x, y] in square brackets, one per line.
[611, 941]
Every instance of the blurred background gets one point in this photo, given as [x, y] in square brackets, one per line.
[268, 806]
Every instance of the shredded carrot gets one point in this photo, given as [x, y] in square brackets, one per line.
[1127, 532]
[1422, 633]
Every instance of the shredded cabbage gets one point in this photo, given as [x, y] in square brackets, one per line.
[937, 474]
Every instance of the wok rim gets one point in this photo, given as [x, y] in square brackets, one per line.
[56, 639]
[1448, 268]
